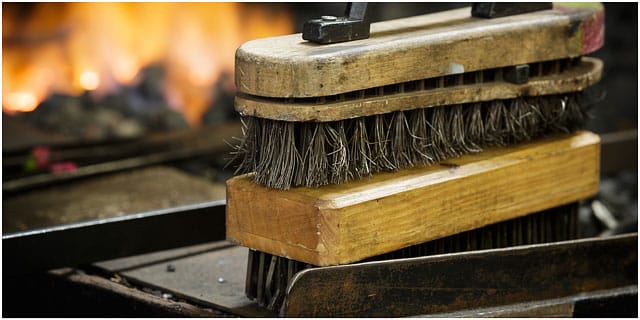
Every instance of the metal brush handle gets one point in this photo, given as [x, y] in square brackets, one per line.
[331, 29]
[355, 25]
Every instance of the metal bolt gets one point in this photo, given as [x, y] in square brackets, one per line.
[221, 280]
[171, 268]
[329, 18]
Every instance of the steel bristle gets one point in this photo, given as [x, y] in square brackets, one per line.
[288, 154]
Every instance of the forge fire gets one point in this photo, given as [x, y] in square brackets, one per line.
[102, 49]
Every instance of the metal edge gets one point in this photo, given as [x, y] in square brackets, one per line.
[446, 257]
[102, 239]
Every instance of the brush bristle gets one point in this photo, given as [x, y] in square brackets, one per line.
[288, 154]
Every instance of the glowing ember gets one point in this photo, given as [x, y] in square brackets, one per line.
[73, 47]
[89, 80]
[125, 70]
[22, 101]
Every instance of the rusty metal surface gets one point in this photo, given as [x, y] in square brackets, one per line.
[164, 306]
[565, 307]
[459, 281]
[212, 275]
[106, 196]
[617, 304]
[268, 275]
[70, 293]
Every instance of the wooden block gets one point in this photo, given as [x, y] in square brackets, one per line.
[421, 47]
[587, 73]
[340, 224]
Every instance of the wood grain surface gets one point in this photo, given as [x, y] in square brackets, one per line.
[576, 79]
[415, 48]
[339, 224]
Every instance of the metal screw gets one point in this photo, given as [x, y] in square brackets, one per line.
[171, 268]
[329, 18]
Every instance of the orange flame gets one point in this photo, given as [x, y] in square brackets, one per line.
[23, 101]
[89, 80]
[75, 47]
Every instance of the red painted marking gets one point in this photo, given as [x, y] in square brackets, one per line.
[593, 32]
[42, 156]
[62, 167]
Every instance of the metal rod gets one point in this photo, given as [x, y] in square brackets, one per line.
[103, 239]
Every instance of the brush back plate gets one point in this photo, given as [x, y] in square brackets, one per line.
[420, 47]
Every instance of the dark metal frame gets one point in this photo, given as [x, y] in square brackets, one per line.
[102, 239]
[464, 281]
[329, 29]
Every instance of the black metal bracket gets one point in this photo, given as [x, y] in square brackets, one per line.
[355, 25]
[502, 9]
[331, 29]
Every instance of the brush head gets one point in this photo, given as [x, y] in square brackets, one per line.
[422, 47]
[286, 154]
[418, 91]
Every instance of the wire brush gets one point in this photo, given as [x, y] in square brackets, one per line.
[284, 153]
[330, 128]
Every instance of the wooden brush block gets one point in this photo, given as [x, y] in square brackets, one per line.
[587, 73]
[421, 47]
[340, 224]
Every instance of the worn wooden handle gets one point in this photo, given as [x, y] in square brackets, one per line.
[421, 47]
[579, 77]
[339, 224]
